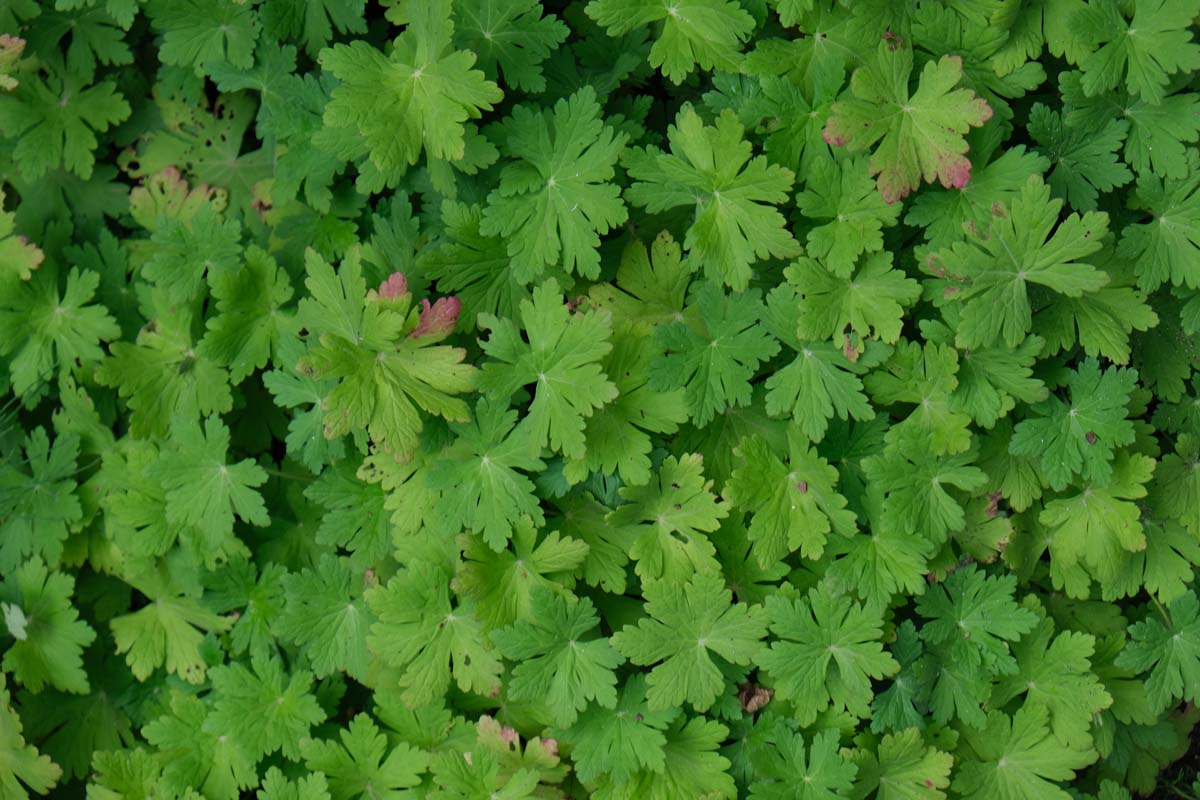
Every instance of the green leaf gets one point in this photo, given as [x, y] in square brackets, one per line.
[510, 38]
[867, 304]
[1167, 246]
[312, 22]
[246, 330]
[191, 758]
[973, 616]
[615, 743]
[51, 133]
[197, 33]
[371, 345]
[362, 765]
[1170, 652]
[419, 633]
[704, 33]
[557, 664]
[794, 504]
[1085, 161]
[619, 434]
[1017, 758]
[39, 506]
[1142, 52]
[916, 482]
[684, 625]
[161, 375]
[671, 514]
[50, 637]
[562, 358]
[18, 256]
[827, 651]
[1056, 672]
[264, 708]
[715, 353]
[276, 787]
[205, 491]
[419, 97]
[734, 194]
[1099, 525]
[22, 767]
[821, 773]
[843, 193]
[1080, 437]
[166, 632]
[918, 135]
[692, 765]
[479, 478]
[44, 331]
[902, 768]
[990, 273]
[324, 613]
[555, 198]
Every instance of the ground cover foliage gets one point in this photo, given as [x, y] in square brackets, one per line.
[616, 398]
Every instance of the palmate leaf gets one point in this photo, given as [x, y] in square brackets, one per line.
[990, 271]
[735, 195]
[1017, 758]
[916, 136]
[431, 642]
[714, 355]
[704, 33]
[561, 358]
[794, 503]
[827, 652]
[379, 350]
[482, 476]
[684, 625]
[796, 772]
[49, 636]
[556, 199]
[1080, 437]
[1170, 653]
[428, 90]
[1141, 52]
[555, 664]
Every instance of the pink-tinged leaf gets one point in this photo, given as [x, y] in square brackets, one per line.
[395, 287]
[11, 49]
[437, 319]
[914, 137]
